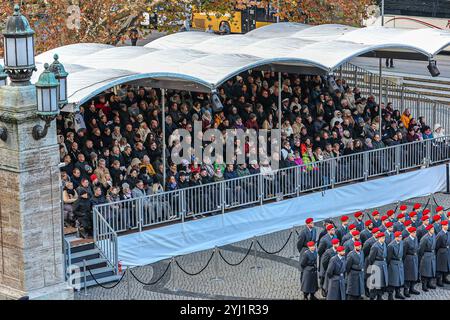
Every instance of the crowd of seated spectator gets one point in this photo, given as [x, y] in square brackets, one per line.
[113, 149]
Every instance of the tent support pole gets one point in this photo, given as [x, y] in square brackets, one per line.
[280, 113]
[163, 107]
[380, 94]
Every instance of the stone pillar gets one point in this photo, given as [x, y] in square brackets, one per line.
[31, 250]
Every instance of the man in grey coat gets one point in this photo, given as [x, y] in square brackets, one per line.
[324, 262]
[427, 258]
[308, 277]
[336, 276]
[324, 245]
[366, 251]
[378, 266]
[389, 233]
[307, 234]
[396, 272]
[355, 273]
[349, 245]
[421, 230]
[367, 232]
[443, 255]
[411, 262]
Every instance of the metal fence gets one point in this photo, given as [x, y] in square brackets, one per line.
[401, 97]
[105, 238]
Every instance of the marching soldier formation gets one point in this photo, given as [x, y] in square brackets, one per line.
[385, 254]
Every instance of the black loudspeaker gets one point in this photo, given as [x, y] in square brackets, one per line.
[217, 105]
[332, 86]
[433, 69]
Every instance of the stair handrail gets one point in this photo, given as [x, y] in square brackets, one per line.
[67, 257]
[106, 241]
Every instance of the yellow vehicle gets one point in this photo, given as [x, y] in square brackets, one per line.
[238, 21]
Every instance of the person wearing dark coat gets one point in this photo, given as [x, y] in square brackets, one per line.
[377, 262]
[359, 223]
[367, 232]
[355, 273]
[366, 251]
[437, 223]
[443, 255]
[336, 276]
[349, 245]
[421, 230]
[398, 225]
[324, 261]
[82, 211]
[389, 232]
[343, 229]
[396, 272]
[307, 234]
[348, 235]
[411, 262]
[324, 244]
[376, 219]
[308, 276]
[427, 258]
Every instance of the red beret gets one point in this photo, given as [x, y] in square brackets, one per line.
[412, 214]
[411, 229]
[375, 230]
[368, 223]
[425, 218]
[448, 214]
[444, 222]
[440, 208]
[381, 234]
[355, 232]
[429, 227]
[309, 220]
[397, 234]
[340, 249]
[310, 243]
[389, 224]
[403, 207]
[351, 227]
[375, 213]
[436, 217]
[390, 212]
[344, 218]
[357, 243]
[93, 177]
[335, 241]
[426, 211]
[416, 206]
[401, 216]
[329, 227]
[384, 218]
[407, 223]
[358, 214]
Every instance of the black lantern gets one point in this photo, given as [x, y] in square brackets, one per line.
[61, 76]
[18, 48]
[47, 101]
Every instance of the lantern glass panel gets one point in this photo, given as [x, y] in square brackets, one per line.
[30, 51]
[54, 100]
[22, 54]
[10, 53]
[62, 89]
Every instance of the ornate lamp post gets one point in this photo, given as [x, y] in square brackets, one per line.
[61, 76]
[18, 49]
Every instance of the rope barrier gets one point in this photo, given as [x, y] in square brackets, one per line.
[236, 264]
[428, 202]
[437, 205]
[201, 270]
[105, 287]
[154, 282]
[278, 251]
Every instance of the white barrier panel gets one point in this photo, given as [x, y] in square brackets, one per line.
[153, 245]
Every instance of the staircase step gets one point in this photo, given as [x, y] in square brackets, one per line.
[85, 255]
[82, 247]
[93, 263]
[106, 280]
[98, 273]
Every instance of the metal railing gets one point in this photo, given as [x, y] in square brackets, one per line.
[401, 97]
[105, 239]
[67, 258]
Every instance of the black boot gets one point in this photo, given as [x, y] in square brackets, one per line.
[439, 281]
[391, 295]
[312, 296]
[445, 280]
[398, 294]
[413, 290]
[380, 296]
[406, 292]
[424, 286]
[430, 284]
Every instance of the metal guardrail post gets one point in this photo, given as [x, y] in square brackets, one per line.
[255, 255]
[371, 84]
[261, 189]
[298, 183]
[333, 163]
[182, 205]
[294, 243]
[366, 165]
[222, 192]
[128, 283]
[216, 265]
[402, 97]
[434, 108]
[427, 159]
[140, 210]
[447, 174]
[397, 159]
[355, 79]
[116, 254]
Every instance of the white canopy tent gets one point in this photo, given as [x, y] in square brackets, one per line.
[199, 61]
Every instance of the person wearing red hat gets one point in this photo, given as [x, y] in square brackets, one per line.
[396, 273]
[377, 261]
[308, 276]
[437, 223]
[366, 250]
[416, 206]
[413, 217]
[390, 213]
[348, 235]
[308, 233]
[324, 261]
[367, 232]
[350, 243]
[411, 262]
[384, 220]
[355, 273]
[407, 225]
[427, 259]
[426, 212]
[376, 220]
[389, 232]
[439, 210]
[359, 223]
[324, 244]
[403, 208]
[343, 229]
[336, 276]
[443, 255]
[398, 225]
[421, 230]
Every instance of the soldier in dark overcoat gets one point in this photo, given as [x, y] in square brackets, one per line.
[377, 262]
[336, 276]
[443, 255]
[359, 223]
[421, 230]
[396, 272]
[427, 259]
[348, 235]
[326, 257]
[367, 232]
[355, 273]
[343, 229]
[308, 277]
[307, 234]
[411, 262]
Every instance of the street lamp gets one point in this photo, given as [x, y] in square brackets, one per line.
[61, 76]
[47, 101]
[18, 48]
[3, 76]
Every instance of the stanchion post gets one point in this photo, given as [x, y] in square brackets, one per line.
[216, 265]
[294, 243]
[447, 175]
[128, 283]
[85, 280]
[172, 274]
[255, 255]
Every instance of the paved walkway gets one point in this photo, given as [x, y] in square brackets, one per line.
[278, 277]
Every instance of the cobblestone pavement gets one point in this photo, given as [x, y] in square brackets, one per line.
[276, 278]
